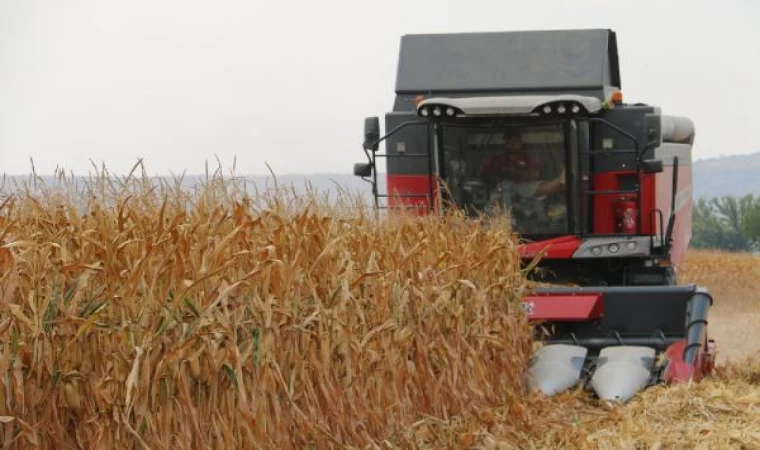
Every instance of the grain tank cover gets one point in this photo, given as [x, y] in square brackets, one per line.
[577, 61]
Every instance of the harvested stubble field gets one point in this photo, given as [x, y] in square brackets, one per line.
[136, 315]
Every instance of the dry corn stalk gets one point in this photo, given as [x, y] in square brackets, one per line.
[152, 315]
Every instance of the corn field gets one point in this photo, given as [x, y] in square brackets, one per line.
[145, 316]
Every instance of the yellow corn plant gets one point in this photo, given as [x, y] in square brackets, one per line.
[146, 314]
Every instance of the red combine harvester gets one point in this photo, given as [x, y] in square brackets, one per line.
[533, 124]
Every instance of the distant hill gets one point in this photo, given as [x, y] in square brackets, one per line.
[730, 175]
[734, 175]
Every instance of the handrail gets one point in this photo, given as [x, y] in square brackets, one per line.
[373, 164]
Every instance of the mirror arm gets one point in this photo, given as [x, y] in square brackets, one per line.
[392, 132]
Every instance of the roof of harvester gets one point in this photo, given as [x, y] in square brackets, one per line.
[554, 60]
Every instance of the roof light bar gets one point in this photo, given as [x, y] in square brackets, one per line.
[562, 108]
[438, 110]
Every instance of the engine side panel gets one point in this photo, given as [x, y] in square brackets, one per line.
[684, 200]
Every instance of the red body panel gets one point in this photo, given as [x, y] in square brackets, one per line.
[656, 194]
[562, 247]
[564, 307]
[679, 370]
[604, 205]
[399, 185]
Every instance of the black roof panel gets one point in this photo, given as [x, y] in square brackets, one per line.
[508, 61]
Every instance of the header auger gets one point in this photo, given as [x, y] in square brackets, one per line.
[533, 123]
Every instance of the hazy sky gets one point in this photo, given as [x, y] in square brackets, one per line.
[289, 83]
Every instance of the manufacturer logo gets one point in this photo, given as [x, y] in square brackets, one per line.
[529, 308]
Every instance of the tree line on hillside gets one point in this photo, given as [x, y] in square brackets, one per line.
[727, 223]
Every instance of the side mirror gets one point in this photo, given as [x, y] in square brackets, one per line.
[652, 166]
[363, 170]
[371, 133]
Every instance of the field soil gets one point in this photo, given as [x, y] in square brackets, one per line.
[732, 279]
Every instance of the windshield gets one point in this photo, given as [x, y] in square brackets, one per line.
[518, 170]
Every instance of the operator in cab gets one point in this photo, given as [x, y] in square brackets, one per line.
[514, 176]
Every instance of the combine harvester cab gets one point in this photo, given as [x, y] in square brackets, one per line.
[533, 124]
